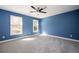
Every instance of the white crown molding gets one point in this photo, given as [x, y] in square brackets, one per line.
[51, 9]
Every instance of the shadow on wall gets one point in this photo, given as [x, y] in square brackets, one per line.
[63, 25]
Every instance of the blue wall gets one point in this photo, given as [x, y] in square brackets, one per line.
[62, 25]
[5, 24]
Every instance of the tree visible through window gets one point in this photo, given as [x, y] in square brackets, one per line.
[35, 25]
[15, 25]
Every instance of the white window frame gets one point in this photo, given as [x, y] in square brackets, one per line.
[37, 25]
[19, 21]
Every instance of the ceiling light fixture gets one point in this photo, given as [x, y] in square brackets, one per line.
[38, 9]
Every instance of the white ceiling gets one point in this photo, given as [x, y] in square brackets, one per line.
[51, 9]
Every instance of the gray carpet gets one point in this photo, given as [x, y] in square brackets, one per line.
[40, 44]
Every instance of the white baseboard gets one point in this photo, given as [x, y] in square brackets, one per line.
[64, 38]
[18, 38]
[40, 34]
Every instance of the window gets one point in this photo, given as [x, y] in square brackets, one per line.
[35, 25]
[15, 25]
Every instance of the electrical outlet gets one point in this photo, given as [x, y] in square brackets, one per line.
[70, 35]
[3, 37]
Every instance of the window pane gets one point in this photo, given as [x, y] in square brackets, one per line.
[16, 25]
[35, 25]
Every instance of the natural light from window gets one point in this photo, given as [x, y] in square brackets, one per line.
[35, 25]
[16, 25]
[28, 39]
[44, 34]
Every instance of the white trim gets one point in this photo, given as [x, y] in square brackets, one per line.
[63, 38]
[40, 34]
[18, 38]
[37, 24]
[20, 20]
